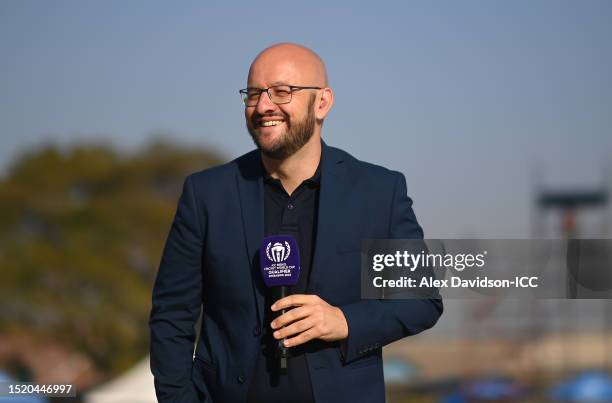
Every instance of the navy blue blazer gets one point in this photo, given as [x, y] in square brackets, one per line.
[210, 260]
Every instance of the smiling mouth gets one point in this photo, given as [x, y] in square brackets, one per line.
[271, 123]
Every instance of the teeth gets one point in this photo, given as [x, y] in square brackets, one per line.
[272, 123]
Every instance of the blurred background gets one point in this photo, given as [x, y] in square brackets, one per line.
[498, 113]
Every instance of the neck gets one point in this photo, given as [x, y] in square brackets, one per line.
[300, 166]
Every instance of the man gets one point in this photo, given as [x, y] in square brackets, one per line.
[329, 201]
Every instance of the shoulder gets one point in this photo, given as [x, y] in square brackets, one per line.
[225, 173]
[363, 169]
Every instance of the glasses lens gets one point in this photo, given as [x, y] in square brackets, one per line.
[281, 94]
[250, 96]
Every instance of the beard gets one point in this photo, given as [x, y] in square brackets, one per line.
[290, 141]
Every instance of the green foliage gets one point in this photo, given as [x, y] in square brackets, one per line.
[81, 235]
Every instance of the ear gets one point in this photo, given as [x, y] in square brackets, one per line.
[326, 100]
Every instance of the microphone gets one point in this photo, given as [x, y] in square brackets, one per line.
[279, 259]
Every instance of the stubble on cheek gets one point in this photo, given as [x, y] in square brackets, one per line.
[291, 139]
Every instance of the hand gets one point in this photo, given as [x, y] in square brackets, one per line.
[312, 318]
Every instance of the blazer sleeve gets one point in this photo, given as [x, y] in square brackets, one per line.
[375, 323]
[176, 302]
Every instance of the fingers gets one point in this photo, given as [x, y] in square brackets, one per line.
[295, 300]
[291, 316]
[301, 338]
[294, 328]
[311, 318]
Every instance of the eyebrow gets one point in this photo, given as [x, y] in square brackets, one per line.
[271, 84]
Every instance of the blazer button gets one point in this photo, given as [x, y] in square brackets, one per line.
[257, 331]
[241, 378]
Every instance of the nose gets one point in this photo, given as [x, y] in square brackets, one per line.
[265, 104]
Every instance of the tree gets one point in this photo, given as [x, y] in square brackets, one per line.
[81, 235]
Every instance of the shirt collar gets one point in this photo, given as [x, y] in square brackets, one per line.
[315, 179]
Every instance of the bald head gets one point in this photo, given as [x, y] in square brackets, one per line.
[287, 63]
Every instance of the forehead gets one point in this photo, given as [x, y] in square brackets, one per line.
[267, 71]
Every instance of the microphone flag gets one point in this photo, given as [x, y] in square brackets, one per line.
[279, 259]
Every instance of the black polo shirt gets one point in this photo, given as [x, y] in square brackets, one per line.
[294, 215]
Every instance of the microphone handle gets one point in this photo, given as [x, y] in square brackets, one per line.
[283, 352]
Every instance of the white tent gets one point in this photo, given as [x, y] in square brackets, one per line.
[134, 386]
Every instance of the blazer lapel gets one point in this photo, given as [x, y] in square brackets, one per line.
[333, 187]
[250, 190]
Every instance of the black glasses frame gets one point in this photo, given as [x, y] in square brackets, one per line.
[244, 92]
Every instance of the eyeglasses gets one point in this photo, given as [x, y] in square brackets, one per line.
[279, 94]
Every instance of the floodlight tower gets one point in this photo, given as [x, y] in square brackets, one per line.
[568, 203]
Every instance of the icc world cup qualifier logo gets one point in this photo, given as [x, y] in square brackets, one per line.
[279, 259]
[278, 252]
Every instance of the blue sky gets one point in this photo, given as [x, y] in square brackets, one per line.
[464, 98]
